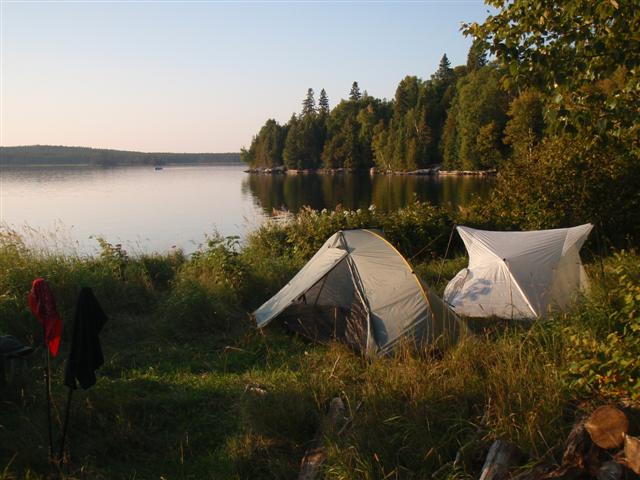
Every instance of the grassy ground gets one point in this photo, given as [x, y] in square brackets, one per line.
[182, 393]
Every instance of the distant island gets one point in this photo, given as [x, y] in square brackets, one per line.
[59, 155]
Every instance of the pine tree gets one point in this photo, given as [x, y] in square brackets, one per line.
[477, 56]
[308, 104]
[355, 94]
[323, 103]
[444, 72]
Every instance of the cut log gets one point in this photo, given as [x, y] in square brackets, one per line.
[632, 453]
[610, 471]
[501, 457]
[607, 426]
[315, 456]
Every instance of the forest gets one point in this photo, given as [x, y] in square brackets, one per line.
[549, 100]
[458, 118]
[58, 155]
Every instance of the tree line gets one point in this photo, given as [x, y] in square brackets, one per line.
[555, 110]
[460, 117]
[60, 155]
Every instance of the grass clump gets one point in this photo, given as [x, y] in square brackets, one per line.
[191, 390]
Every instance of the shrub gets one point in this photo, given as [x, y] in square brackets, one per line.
[567, 181]
[208, 289]
[607, 361]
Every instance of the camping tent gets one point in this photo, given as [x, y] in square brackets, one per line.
[518, 274]
[360, 290]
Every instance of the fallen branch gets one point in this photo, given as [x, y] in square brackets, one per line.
[501, 457]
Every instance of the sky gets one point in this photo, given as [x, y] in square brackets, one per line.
[204, 76]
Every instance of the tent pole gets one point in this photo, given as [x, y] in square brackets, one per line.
[446, 253]
[601, 257]
[355, 278]
[64, 427]
[47, 384]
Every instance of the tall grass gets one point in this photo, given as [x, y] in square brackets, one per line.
[191, 390]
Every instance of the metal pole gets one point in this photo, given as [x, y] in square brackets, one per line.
[64, 427]
[47, 382]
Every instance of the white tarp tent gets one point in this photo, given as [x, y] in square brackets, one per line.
[518, 274]
[359, 289]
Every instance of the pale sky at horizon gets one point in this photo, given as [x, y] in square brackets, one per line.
[204, 76]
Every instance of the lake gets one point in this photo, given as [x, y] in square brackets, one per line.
[148, 210]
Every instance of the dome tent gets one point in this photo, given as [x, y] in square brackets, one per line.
[518, 274]
[360, 290]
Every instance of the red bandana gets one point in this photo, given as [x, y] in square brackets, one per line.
[43, 306]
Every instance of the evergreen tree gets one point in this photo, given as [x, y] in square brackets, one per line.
[266, 147]
[309, 104]
[449, 143]
[407, 144]
[293, 153]
[355, 94]
[323, 103]
[444, 72]
[477, 56]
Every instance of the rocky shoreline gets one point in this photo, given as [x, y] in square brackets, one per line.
[432, 171]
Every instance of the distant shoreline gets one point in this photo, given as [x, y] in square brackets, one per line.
[50, 155]
[148, 165]
[432, 171]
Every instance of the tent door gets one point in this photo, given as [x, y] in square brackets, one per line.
[334, 310]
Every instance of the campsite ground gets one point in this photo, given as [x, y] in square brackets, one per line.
[191, 390]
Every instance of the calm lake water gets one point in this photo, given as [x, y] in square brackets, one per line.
[155, 210]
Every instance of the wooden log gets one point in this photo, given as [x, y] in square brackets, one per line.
[607, 426]
[577, 446]
[566, 472]
[501, 457]
[581, 455]
[315, 456]
[632, 453]
[536, 473]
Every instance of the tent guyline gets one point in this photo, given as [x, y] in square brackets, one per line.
[360, 290]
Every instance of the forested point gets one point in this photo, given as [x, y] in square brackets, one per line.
[549, 97]
[58, 155]
[457, 118]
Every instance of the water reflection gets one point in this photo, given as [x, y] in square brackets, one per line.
[352, 191]
[148, 210]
